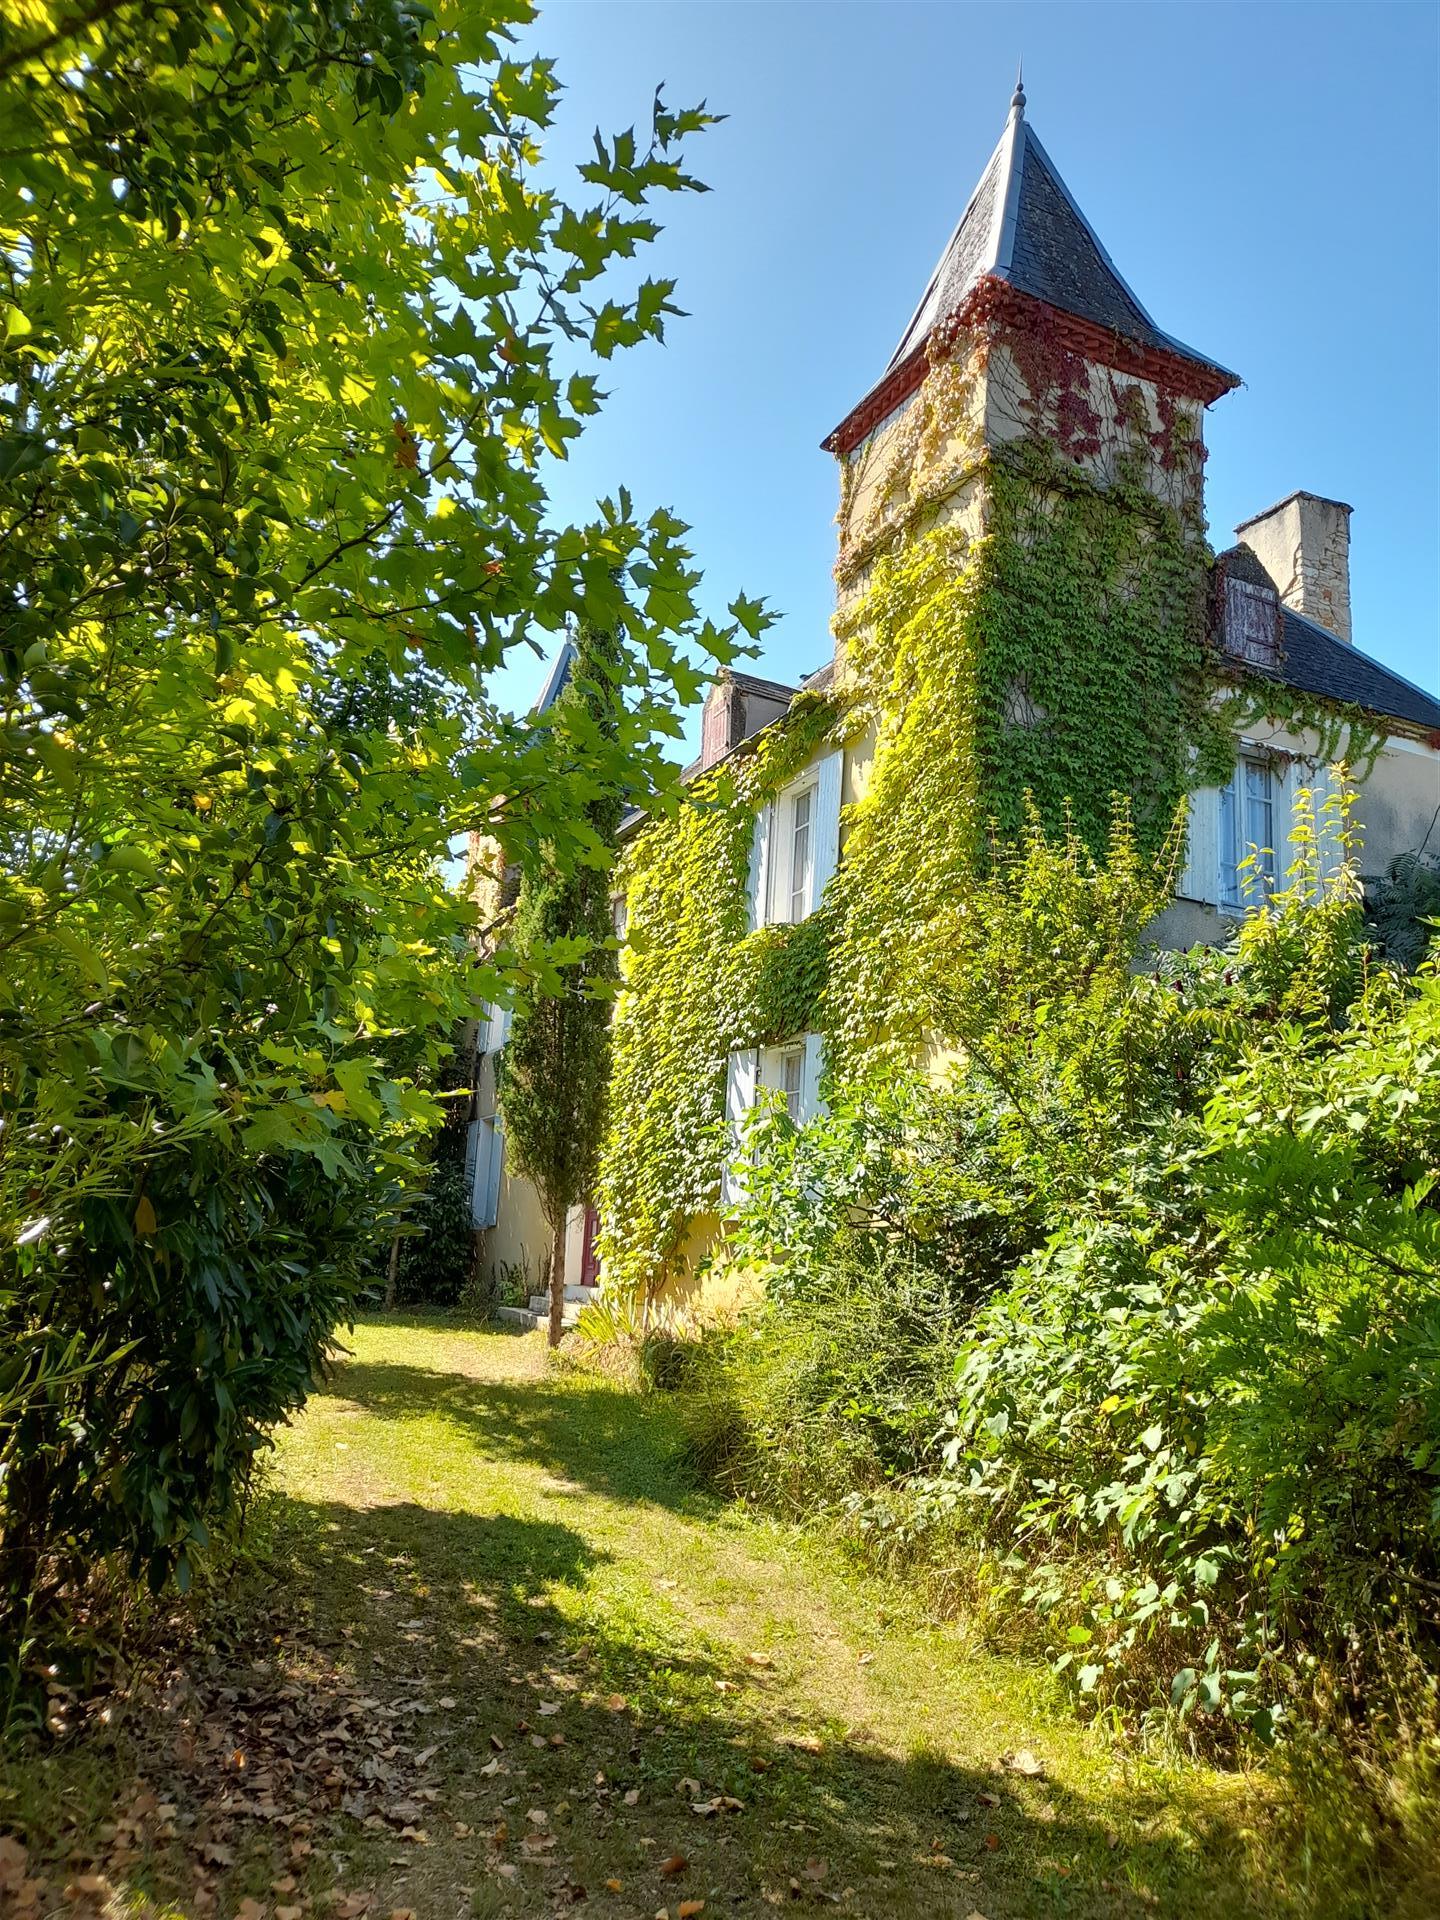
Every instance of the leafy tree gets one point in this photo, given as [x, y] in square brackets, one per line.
[557, 1060]
[289, 331]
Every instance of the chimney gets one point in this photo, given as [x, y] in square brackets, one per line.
[722, 722]
[1304, 545]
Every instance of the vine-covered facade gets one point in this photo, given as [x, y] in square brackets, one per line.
[1029, 622]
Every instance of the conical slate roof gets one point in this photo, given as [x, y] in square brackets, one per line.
[1022, 226]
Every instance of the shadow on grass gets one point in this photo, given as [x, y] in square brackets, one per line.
[585, 1701]
[604, 1437]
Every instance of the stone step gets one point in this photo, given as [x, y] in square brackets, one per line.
[574, 1296]
[527, 1320]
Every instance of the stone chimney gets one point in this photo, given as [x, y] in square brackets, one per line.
[1304, 545]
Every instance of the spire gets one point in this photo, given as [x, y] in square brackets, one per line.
[1023, 226]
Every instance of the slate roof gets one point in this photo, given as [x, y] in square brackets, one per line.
[1316, 662]
[1023, 225]
[558, 680]
[767, 689]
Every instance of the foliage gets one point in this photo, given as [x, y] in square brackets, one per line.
[437, 1255]
[290, 330]
[830, 1388]
[695, 983]
[1183, 1219]
[554, 1072]
[1033, 671]
[1402, 907]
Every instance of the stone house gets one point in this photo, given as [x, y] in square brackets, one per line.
[1027, 615]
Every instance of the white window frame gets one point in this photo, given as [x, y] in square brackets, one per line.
[796, 900]
[809, 807]
[791, 1069]
[1242, 887]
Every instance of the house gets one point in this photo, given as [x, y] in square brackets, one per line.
[512, 1236]
[1028, 617]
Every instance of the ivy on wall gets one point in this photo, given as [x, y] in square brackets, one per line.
[696, 984]
[1022, 639]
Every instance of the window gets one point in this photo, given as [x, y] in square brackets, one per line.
[792, 1071]
[796, 845]
[1247, 832]
[798, 904]
[788, 1066]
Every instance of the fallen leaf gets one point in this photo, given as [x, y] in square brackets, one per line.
[632, 1796]
[1023, 1761]
[614, 1886]
[677, 1863]
[688, 1909]
[617, 1703]
[816, 1869]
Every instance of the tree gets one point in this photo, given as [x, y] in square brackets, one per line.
[557, 1060]
[289, 332]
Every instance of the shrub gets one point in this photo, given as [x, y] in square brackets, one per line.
[1174, 1221]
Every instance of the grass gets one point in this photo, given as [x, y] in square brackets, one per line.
[492, 1653]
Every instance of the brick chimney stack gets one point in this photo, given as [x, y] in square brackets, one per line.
[1304, 545]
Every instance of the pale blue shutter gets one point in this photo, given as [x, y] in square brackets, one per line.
[825, 828]
[758, 888]
[1201, 877]
[811, 1105]
[741, 1074]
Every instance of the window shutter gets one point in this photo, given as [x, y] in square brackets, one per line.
[497, 1161]
[485, 1178]
[811, 1105]
[740, 1078]
[826, 828]
[759, 882]
[1201, 878]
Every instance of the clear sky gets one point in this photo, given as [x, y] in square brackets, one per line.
[1265, 176]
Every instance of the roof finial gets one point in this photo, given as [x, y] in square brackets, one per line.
[1017, 99]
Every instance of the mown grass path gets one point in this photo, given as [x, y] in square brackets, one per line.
[508, 1662]
[532, 1528]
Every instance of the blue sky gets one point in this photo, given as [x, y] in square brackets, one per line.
[1265, 176]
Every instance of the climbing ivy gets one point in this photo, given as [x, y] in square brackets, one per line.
[697, 983]
[1021, 646]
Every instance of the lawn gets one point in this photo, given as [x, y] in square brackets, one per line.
[491, 1654]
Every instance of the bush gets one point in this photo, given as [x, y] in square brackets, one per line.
[1142, 1302]
[835, 1388]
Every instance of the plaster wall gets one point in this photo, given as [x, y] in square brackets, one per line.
[1395, 809]
[1126, 410]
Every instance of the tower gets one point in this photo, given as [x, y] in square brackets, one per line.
[1021, 552]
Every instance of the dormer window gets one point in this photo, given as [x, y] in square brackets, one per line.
[1250, 622]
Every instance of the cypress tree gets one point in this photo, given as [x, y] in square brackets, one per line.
[557, 1061]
